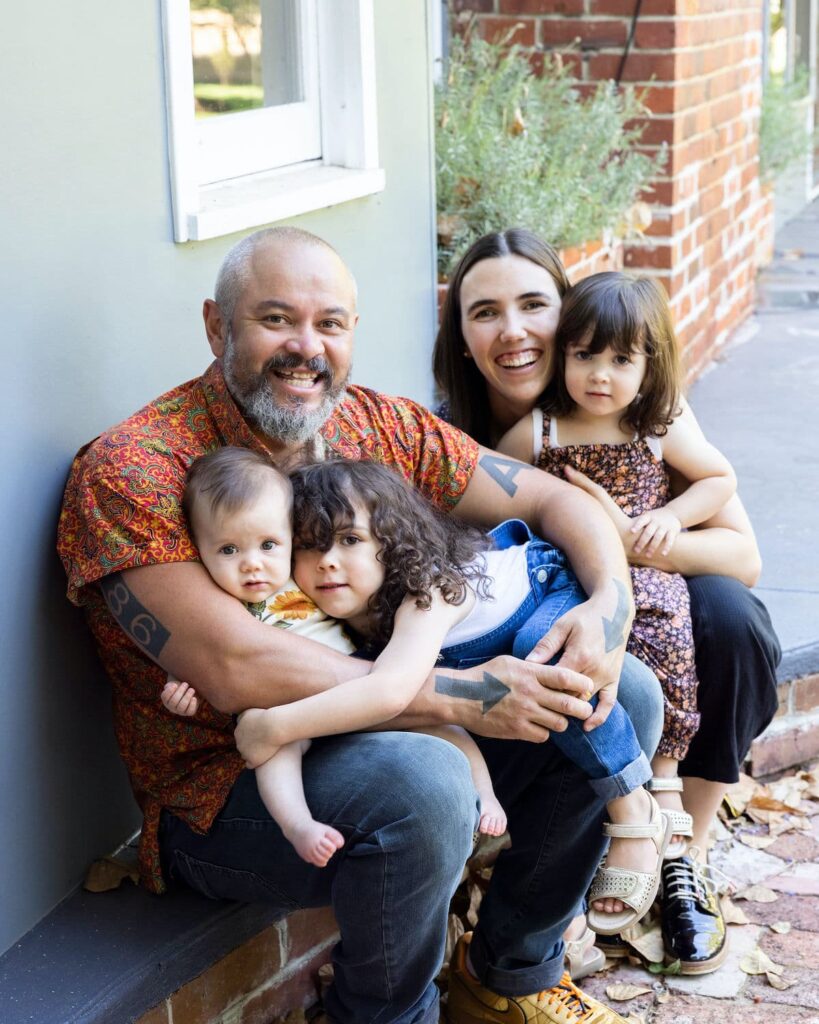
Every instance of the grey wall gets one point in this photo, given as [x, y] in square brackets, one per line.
[101, 312]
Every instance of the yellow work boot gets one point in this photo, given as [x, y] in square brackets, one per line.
[470, 1003]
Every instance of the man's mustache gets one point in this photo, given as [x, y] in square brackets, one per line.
[291, 361]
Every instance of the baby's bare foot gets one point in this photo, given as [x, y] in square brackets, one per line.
[493, 817]
[314, 842]
[252, 736]
[629, 854]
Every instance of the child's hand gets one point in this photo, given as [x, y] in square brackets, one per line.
[656, 531]
[180, 698]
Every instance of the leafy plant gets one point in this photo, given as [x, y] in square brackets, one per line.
[784, 137]
[514, 149]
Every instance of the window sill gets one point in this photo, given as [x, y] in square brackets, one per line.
[258, 199]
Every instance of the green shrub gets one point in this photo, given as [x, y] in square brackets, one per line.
[783, 131]
[514, 149]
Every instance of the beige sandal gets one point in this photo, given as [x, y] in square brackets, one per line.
[636, 889]
[682, 824]
[582, 956]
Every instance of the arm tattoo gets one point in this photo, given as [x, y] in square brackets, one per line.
[134, 618]
[502, 471]
[489, 691]
[613, 627]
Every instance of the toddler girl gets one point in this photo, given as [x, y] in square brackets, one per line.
[238, 507]
[610, 412]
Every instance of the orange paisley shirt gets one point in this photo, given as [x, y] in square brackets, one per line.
[122, 508]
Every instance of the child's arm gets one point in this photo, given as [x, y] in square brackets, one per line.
[712, 484]
[518, 441]
[395, 678]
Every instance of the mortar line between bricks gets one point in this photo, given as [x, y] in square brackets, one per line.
[291, 968]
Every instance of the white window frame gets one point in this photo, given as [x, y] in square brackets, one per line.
[347, 167]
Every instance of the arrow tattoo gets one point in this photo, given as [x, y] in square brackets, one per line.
[489, 692]
[613, 627]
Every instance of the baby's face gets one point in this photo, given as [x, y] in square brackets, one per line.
[247, 552]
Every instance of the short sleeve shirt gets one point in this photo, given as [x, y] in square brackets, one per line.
[122, 509]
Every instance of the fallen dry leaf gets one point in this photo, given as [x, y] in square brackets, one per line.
[754, 841]
[781, 927]
[776, 982]
[475, 897]
[454, 930]
[770, 803]
[107, 874]
[649, 945]
[739, 795]
[757, 894]
[732, 913]
[622, 992]
[757, 962]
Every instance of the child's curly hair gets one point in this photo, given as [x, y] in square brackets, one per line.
[421, 548]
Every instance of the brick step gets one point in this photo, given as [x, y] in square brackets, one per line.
[793, 736]
[265, 978]
[124, 956]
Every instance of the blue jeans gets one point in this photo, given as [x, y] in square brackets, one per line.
[610, 755]
[407, 808]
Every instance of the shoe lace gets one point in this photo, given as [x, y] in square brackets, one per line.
[688, 879]
[568, 996]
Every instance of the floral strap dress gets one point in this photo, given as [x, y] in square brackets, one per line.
[661, 636]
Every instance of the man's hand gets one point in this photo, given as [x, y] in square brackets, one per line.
[593, 644]
[517, 700]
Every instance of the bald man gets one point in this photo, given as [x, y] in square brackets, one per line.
[281, 330]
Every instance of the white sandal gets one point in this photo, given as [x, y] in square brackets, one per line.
[682, 824]
[582, 957]
[636, 889]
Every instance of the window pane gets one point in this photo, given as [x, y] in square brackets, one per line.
[246, 54]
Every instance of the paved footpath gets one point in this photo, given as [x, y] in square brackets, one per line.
[782, 912]
[759, 405]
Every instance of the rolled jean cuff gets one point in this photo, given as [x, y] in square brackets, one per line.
[522, 981]
[634, 775]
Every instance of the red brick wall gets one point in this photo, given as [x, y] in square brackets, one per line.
[700, 64]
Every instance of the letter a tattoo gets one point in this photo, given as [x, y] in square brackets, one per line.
[613, 627]
[503, 471]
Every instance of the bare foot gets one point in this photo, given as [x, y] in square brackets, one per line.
[314, 842]
[631, 854]
[252, 736]
[493, 817]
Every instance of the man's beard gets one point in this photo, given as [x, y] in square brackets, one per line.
[288, 423]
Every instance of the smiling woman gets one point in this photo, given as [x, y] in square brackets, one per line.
[493, 351]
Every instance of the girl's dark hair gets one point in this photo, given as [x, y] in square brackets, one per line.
[229, 479]
[628, 314]
[421, 548]
[457, 376]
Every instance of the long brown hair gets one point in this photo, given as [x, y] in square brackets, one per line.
[628, 314]
[458, 378]
[421, 548]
